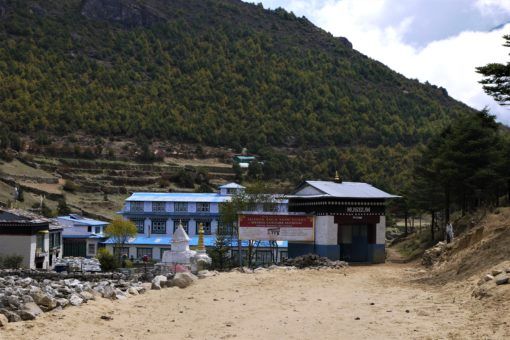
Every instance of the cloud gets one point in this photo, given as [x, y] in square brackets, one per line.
[460, 38]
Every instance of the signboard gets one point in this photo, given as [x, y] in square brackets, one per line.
[276, 227]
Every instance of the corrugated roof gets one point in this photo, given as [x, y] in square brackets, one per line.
[165, 240]
[177, 197]
[232, 185]
[83, 221]
[346, 190]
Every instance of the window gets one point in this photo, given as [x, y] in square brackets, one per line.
[140, 228]
[206, 225]
[40, 243]
[181, 206]
[122, 251]
[92, 249]
[89, 229]
[56, 240]
[98, 230]
[184, 225]
[141, 252]
[203, 207]
[158, 226]
[137, 206]
[263, 256]
[158, 206]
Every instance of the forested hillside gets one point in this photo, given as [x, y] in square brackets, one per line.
[216, 72]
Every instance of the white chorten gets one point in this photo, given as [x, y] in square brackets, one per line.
[180, 252]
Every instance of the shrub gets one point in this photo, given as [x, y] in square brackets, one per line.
[70, 186]
[11, 261]
[107, 260]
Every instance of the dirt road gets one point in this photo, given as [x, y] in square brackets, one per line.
[366, 302]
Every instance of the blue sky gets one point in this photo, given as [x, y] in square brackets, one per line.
[440, 41]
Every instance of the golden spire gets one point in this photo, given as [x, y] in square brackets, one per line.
[201, 246]
[337, 177]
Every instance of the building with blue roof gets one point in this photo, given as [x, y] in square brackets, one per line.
[81, 235]
[157, 215]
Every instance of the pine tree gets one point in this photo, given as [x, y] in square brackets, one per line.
[496, 82]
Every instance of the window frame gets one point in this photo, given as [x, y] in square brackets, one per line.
[141, 251]
[161, 206]
[158, 232]
[178, 206]
[136, 206]
[207, 227]
[203, 207]
[94, 248]
[140, 229]
[185, 225]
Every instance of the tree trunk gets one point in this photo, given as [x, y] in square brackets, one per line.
[405, 222]
[447, 207]
[432, 225]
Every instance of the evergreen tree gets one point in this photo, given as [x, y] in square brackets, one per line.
[497, 78]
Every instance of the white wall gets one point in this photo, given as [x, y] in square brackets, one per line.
[380, 237]
[326, 231]
[23, 245]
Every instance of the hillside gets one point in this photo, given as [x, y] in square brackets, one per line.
[214, 72]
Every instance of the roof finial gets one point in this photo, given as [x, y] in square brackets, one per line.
[338, 179]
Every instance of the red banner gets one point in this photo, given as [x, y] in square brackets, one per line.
[271, 221]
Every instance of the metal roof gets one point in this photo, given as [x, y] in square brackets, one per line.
[82, 221]
[345, 190]
[177, 197]
[166, 240]
[232, 185]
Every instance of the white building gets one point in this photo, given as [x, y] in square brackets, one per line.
[37, 239]
[82, 236]
[157, 215]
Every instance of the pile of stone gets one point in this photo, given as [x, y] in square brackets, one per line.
[181, 280]
[314, 261]
[79, 264]
[488, 282]
[24, 298]
[434, 254]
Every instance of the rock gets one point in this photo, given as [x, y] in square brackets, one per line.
[44, 301]
[25, 282]
[183, 280]
[86, 296]
[12, 301]
[158, 282]
[75, 300]
[11, 316]
[132, 291]
[502, 281]
[488, 277]
[3, 320]
[206, 273]
[30, 311]
[314, 261]
[61, 302]
[109, 293]
[27, 299]
[496, 272]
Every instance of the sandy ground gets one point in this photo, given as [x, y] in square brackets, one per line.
[365, 302]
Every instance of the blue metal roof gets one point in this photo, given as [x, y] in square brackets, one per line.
[82, 221]
[165, 240]
[177, 197]
[92, 236]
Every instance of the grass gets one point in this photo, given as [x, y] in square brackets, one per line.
[17, 168]
[414, 245]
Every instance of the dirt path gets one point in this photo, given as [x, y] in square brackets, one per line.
[299, 304]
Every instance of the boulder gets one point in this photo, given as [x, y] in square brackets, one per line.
[133, 291]
[86, 296]
[12, 301]
[488, 277]
[206, 273]
[502, 281]
[158, 282]
[11, 316]
[3, 320]
[62, 302]
[183, 280]
[496, 272]
[75, 300]
[109, 293]
[30, 311]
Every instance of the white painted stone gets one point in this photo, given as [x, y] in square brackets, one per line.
[381, 231]
[326, 231]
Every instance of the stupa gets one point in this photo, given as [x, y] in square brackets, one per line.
[180, 252]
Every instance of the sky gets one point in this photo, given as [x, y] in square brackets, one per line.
[439, 41]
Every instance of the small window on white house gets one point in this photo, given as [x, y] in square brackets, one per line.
[140, 228]
[158, 206]
[203, 207]
[98, 230]
[181, 206]
[158, 226]
[92, 248]
[136, 206]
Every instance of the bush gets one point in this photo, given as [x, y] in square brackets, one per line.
[107, 260]
[70, 186]
[11, 261]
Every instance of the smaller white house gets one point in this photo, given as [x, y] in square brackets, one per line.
[82, 235]
[37, 239]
